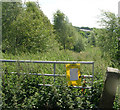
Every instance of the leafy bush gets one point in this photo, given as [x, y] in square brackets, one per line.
[22, 91]
[79, 45]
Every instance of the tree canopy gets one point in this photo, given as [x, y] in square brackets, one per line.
[66, 34]
[29, 30]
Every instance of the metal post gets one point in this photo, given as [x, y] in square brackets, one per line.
[54, 71]
[92, 73]
[92, 80]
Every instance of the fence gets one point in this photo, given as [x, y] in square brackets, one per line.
[54, 68]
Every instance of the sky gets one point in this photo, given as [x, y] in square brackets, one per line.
[79, 12]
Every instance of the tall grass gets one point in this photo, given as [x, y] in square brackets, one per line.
[27, 84]
[91, 54]
[53, 55]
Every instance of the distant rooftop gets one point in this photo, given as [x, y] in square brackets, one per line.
[86, 30]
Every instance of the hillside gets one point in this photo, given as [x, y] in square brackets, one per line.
[29, 35]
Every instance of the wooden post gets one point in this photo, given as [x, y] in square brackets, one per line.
[110, 87]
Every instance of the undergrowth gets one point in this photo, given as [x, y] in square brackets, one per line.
[21, 91]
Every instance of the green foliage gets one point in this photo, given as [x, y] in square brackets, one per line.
[31, 31]
[22, 91]
[10, 11]
[92, 39]
[97, 90]
[79, 46]
[108, 36]
[60, 26]
[66, 34]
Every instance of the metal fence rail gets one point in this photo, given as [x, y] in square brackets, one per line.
[55, 75]
[52, 62]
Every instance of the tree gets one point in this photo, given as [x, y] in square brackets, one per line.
[31, 31]
[79, 45]
[108, 36]
[66, 34]
[10, 11]
[92, 39]
[60, 26]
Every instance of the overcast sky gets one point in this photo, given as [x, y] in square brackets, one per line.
[80, 12]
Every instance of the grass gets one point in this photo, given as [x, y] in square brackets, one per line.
[91, 54]
[95, 55]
